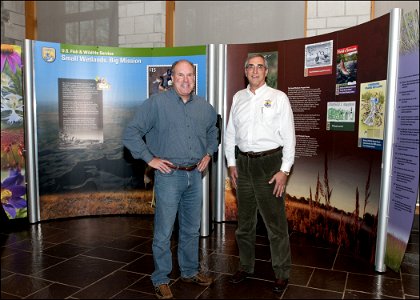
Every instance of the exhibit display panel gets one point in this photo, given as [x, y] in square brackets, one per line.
[82, 97]
[334, 187]
[401, 156]
[13, 188]
[338, 88]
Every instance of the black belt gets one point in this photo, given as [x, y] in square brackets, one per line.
[186, 168]
[259, 154]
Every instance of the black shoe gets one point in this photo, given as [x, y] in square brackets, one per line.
[280, 285]
[239, 276]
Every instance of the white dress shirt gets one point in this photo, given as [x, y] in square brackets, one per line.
[261, 122]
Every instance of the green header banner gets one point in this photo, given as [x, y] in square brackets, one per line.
[131, 52]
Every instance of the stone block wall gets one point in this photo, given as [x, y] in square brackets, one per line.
[328, 16]
[12, 22]
[141, 24]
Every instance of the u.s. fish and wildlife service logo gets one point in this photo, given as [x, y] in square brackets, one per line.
[267, 103]
[48, 54]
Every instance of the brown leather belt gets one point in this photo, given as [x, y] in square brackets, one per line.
[186, 168]
[259, 154]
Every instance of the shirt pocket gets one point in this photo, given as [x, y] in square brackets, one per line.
[268, 115]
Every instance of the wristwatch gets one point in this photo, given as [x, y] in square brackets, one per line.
[285, 172]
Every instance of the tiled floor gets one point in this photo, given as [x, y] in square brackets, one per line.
[110, 257]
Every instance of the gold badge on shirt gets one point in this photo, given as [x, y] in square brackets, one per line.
[267, 103]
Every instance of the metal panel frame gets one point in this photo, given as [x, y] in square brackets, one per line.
[31, 136]
[386, 176]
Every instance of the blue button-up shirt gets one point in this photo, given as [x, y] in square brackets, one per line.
[180, 132]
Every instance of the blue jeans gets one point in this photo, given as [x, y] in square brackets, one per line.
[176, 192]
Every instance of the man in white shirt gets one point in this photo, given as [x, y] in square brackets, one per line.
[261, 128]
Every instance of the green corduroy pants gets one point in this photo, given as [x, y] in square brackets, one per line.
[254, 194]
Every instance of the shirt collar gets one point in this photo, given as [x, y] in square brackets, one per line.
[257, 91]
[179, 97]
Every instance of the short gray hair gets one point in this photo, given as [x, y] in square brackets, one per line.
[257, 55]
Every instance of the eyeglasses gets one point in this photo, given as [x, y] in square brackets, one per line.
[259, 67]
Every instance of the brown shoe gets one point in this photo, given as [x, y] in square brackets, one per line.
[163, 291]
[199, 279]
[280, 285]
[239, 276]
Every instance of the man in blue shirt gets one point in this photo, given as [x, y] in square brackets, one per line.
[181, 135]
